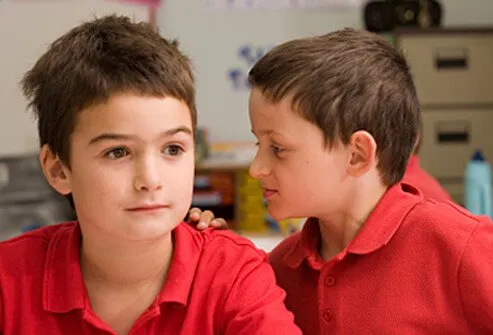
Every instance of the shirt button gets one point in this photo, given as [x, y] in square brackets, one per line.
[330, 281]
[328, 315]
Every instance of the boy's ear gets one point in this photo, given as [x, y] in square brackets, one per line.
[363, 149]
[55, 171]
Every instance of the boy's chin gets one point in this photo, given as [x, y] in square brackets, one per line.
[146, 230]
[279, 214]
[146, 236]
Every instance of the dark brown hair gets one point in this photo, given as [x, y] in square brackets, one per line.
[95, 60]
[346, 81]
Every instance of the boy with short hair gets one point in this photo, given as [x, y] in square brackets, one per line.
[337, 117]
[116, 115]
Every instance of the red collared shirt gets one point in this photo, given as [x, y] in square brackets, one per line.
[218, 283]
[423, 181]
[416, 267]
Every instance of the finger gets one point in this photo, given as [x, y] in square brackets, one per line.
[202, 226]
[206, 217]
[194, 214]
[219, 224]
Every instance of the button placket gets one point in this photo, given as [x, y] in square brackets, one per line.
[328, 315]
[329, 281]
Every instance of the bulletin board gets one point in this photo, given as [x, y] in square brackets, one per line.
[26, 30]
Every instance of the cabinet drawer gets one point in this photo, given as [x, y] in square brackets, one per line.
[450, 68]
[450, 138]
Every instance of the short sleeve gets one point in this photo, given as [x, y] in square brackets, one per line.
[255, 304]
[475, 279]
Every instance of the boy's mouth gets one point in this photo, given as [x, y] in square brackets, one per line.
[268, 193]
[147, 208]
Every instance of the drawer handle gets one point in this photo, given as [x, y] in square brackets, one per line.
[451, 59]
[453, 132]
[4, 175]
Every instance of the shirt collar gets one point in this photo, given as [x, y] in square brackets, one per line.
[414, 163]
[377, 231]
[63, 285]
[188, 245]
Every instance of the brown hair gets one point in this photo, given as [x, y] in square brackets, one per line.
[92, 62]
[346, 81]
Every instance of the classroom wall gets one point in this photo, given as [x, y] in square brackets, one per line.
[26, 29]
[214, 39]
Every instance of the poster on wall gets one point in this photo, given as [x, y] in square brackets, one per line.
[281, 4]
[246, 56]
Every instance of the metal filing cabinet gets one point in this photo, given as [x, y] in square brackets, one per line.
[26, 200]
[453, 73]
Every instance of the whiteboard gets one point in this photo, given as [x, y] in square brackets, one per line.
[213, 35]
[224, 43]
[26, 29]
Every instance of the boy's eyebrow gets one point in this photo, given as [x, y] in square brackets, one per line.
[120, 137]
[267, 132]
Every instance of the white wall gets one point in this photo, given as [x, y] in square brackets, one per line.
[26, 29]
[212, 39]
[468, 12]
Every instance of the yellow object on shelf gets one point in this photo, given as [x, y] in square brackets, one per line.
[251, 208]
[290, 226]
[252, 211]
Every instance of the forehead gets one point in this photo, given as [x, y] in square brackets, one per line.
[281, 123]
[133, 114]
[266, 115]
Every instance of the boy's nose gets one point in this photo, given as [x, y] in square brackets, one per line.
[147, 176]
[259, 168]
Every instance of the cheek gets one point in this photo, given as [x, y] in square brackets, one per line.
[293, 183]
[304, 192]
[180, 176]
[95, 185]
[181, 180]
[180, 187]
[96, 191]
[310, 182]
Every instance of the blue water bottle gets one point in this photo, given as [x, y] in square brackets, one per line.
[477, 186]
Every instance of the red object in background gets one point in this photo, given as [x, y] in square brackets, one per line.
[151, 3]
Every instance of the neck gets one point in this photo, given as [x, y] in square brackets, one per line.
[125, 264]
[337, 230]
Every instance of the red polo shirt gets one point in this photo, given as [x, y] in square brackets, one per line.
[416, 267]
[218, 283]
[422, 180]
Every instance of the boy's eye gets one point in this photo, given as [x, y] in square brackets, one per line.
[117, 153]
[276, 150]
[173, 150]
